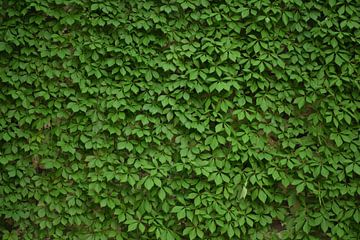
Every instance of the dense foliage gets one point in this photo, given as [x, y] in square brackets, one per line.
[179, 119]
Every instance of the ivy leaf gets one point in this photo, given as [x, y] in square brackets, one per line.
[338, 140]
[357, 169]
[41, 212]
[162, 194]
[244, 192]
[149, 183]
[132, 227]
[6, 136]
[262, 196]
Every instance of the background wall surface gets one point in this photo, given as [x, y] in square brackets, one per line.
[180, 119]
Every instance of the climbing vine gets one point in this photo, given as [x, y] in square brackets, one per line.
[179, 119]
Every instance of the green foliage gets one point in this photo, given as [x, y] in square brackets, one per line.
[180, 119]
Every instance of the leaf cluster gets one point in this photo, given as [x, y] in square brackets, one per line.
[180, 119]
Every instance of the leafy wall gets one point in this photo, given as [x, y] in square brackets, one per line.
[180, 119]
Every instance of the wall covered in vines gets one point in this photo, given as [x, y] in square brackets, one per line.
[179, 119]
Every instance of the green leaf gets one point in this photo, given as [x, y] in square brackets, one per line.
[230, 231]
[149, 183]
[212, 226]
[141, 227]
[148, 76]
[357, 169]
[284, 18]
[262, 196]
[132, 227]
[6, 136]
[162, 194]
[338, 60]
[214, 143]
[300, 187]
[218, 179]
[41, 212]
[332, 3]
[219, 127]
[244, 192]
[181, 214]
[193, 75]
[329, 58]
[245, 13]
[338, 140]
[300, 101]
